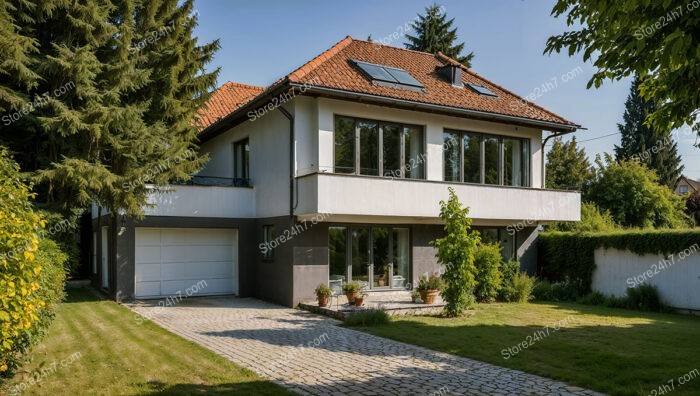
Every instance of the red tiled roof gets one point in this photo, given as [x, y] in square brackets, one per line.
[334, 69]
[225, 100]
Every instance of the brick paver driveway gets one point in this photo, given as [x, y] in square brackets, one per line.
[310, 354]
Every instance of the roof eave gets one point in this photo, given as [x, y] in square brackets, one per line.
[483, 115]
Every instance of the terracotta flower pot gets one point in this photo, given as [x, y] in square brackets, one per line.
[322, 301]
[428, 296]
[359, 300]
[351, 296]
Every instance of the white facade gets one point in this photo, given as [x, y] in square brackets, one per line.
[203, 201]
[676, 277]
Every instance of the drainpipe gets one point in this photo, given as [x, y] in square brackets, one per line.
[290, 117]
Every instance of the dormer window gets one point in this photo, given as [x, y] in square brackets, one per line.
[390, 76]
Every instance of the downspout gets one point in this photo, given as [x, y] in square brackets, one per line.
[292, 137]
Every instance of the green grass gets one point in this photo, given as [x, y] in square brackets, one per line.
[121, 357]
[610, 350]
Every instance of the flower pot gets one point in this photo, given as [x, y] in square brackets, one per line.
[351, 296]
[359, 300]
[428, 296]
[322, 301]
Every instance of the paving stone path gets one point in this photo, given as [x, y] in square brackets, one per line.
[311, 355]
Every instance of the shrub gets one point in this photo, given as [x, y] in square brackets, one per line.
[644, 297]
[542, 291]
[456, 252]
[370, 317]
[351, 287]
[508, 271]
[487, 259]
[592, 220]
[322, 290]
[595, 298]
[31, 272]
[519, 288]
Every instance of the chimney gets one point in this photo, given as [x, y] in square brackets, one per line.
[452, 73]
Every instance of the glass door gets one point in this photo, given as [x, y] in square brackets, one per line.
[380, 257]
[400, 257]
[360, 255]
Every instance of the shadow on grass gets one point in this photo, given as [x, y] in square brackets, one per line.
[81, 295]
[241, 388]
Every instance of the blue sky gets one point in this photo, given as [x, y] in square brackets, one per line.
[263, 40]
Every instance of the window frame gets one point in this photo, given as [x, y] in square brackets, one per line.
[268, 231]
[245, 163]
[526, 162]
[403, 163]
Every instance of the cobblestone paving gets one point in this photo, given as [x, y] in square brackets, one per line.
[311, 355]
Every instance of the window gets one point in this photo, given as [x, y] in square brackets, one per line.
[481, 90]
[479, 158]
[386, 74]
[375, 148]
[268, 245]
[683, 189]
[241, 161]
[502, 236]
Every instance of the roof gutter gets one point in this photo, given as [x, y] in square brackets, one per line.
[448, 109]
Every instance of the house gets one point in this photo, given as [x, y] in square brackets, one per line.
[686, 185]
[335, 172]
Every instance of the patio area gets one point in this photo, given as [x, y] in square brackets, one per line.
[393, 302]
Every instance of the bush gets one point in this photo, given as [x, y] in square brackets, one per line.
[370, 317]
[644, 297]
[592, 220]
[519, 289]
[487, 259]
[542, 291]
[508, 271]
[31, 271]
[351, 287]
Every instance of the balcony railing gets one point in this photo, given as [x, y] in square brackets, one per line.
[216, 181]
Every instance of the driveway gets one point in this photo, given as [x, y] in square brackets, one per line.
[311, 355]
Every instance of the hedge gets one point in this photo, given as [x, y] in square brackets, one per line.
[569, 257]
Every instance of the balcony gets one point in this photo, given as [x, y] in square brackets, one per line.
[203, 201]
[343, 196]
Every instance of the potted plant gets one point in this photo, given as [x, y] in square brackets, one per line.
[360, 299]
[415, 296]
[351, 290]
[323, 293]
[429, 288]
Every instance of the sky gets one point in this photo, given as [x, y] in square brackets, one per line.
[263, 40]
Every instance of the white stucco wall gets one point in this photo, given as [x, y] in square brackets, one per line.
[203, 201]
[677, 278]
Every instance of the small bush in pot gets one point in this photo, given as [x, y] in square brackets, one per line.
[351, 290]
[429, 288]
[323, 293]
[415, 296]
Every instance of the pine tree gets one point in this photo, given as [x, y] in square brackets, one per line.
[123, 82]
[567, 166]
[433, 35]
[16, 74]
[653, 148]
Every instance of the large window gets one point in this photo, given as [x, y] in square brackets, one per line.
[376, 148]
[478, 158]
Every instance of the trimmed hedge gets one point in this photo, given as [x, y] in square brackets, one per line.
[569, 257]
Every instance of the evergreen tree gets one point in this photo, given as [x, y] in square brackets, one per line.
[16, 74]
[655, 149]
[433, 35]
[121, 82]
[567, 166]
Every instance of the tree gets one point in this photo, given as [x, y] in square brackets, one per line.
[692, 206]
[592, 220]
[656, 150]
[567, 166]
[633, 196]
[455, 251]
[656, 40]
[15, 50]
[433, 35]
[120, 84]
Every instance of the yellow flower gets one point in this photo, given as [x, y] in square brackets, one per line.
[3, 367]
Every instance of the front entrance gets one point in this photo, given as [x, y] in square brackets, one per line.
[376, 256]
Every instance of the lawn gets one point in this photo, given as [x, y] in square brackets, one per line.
[613, 351]
[96, 347]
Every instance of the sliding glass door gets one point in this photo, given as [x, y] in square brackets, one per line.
[377, 257]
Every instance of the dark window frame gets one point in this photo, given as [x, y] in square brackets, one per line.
[525, 166]
[403, 163]
[241, 174]
[268, 231]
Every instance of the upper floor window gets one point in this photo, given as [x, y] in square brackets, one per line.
[487, 159]
[683, 189]
[241, 161]
[377, 148]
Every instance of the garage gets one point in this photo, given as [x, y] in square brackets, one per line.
[171, 260]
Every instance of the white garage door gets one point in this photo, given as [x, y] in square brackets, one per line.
[169, 260]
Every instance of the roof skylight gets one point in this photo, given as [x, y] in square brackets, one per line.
[481, 90]
[387, 74]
